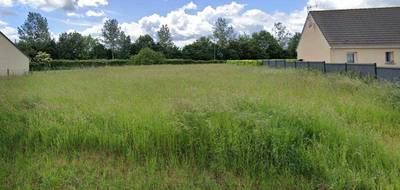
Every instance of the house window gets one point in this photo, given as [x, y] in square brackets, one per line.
[389, 57]
[351, 57]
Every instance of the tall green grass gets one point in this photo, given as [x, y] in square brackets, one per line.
[210, 126]
[245, 62]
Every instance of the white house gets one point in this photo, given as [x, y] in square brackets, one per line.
[12, 60]
[352, 36]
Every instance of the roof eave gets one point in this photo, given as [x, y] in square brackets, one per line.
[365, 46]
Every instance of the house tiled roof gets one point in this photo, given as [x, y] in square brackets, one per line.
[375, 26]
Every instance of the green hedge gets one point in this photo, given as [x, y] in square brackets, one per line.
[190, 61]
[147, 56]
[65, 64]
[60, 64]
[245, 62]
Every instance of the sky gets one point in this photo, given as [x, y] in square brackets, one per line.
[188, 20]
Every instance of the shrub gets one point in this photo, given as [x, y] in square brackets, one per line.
[148, 56]
[87, 63]
[65, 64]
[41, 61]
[245, 62]
[191, 61]
[59, 64]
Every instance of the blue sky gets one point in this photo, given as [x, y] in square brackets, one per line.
[188, 20]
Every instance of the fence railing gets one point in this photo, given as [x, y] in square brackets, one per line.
[364, 70]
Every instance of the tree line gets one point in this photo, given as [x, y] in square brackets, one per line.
[223, 44]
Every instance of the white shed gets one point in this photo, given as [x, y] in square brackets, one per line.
[12, 60]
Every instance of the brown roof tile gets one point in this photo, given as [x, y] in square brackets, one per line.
[375, 26]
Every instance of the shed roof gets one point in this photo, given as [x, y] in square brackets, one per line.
[373, 26]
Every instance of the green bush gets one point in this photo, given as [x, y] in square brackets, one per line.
[41, 61]
[65, 64]
[147, 56]
[60, 64]
[245, 62]
[191, 61]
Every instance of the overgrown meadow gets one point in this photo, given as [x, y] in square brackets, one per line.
[198, 127]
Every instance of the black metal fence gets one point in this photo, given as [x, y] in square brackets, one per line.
[364, 70]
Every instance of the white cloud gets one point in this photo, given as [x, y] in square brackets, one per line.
[94, 30]
[10, 32]
[92, 13]
[341, 4]
[71, 31]
[74, 14]
[92, 3]
[50, 5]
[189, 6]
[54, 35]
[6, 3]
[3, 23]
[78, 22]
[187, 27]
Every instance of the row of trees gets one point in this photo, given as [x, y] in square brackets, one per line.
[223, 44]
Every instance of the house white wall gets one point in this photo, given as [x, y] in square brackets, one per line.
[12, 61]
[313, 46]
[367, 55]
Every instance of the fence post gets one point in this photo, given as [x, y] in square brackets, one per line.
[324, 67]
[345, 67]
[295, 64]
[376, 71]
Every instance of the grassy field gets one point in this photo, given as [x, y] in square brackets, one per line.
[197, 127]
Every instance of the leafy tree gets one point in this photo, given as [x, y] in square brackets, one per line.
[116, 40]
[292, 45]
[266, 46]
[34, 34]
[164, 37]
[145, 41]
[134, 49]
[35, 28]
[201, 49]
[148, 56]
[111, 34]
[51, 48]
[223, 32]
[41, 61]
[124, 45]
[100, 52]
[90, 44]
[72, 46]
[94, 49]
[173, 52]
[282, 34]
[242, 48]
[165, 44]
